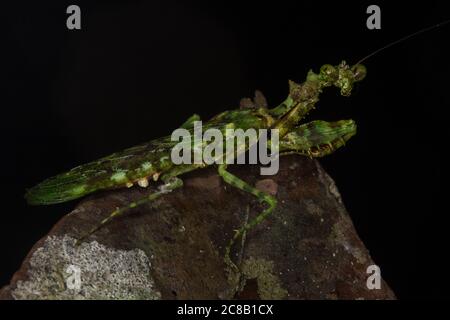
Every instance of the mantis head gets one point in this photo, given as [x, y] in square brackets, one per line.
[342, 76]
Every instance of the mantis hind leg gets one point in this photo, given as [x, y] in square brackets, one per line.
[262, 196]
[171, 183]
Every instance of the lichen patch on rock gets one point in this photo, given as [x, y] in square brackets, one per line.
[60, 270]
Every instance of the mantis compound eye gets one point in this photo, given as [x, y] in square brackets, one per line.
[359, 72]
[328, 73]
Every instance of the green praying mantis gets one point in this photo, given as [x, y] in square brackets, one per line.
[151, 161]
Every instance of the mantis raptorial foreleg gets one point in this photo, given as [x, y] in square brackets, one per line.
[170, 184]
[264, 197]
[317, 138]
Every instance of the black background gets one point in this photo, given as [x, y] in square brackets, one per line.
[138, 69]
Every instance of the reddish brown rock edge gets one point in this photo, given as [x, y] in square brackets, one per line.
[308, 249]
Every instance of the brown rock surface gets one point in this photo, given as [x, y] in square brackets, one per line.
[173, 249]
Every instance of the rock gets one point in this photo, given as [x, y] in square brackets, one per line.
[268, 186]
[173, 248]
[110, 273]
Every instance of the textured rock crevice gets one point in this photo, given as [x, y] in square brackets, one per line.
[173, 248]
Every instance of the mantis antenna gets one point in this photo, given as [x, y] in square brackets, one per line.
[440, 24]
